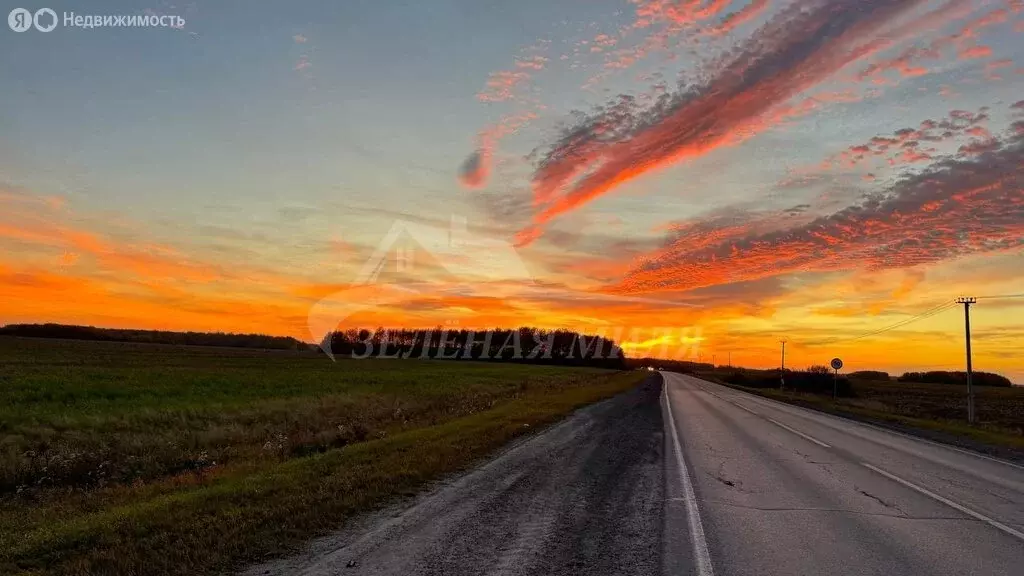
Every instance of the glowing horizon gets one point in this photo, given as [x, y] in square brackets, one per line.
[753, 169]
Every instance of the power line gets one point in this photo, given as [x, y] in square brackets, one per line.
[926, 314]
[911, 320]
[1001, 296]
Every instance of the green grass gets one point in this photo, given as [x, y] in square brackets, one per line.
[932, 407]
[167, 460]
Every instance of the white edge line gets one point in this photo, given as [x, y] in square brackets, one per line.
[878, 428]
[869, 425]
[700, 544]
[947, 502]
[741, 407]
[772, 420]
[797, 432]
[936, 444]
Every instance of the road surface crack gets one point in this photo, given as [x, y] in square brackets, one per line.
[880, 501]
[721, 477]
[875, 498]
[901, 515]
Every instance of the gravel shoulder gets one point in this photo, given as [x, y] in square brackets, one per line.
[586, 494]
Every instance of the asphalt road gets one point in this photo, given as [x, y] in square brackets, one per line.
[696, 478]
[784, 490]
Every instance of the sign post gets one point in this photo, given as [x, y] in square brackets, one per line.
[836, 365]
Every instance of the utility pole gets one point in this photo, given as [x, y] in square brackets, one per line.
[713, 361]
[967, 301]
[782, 374]
[730, 358]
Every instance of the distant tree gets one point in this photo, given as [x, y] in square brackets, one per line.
[819, 369]
[72, 332]
[530, 345]
[869, 375]
[958, 378]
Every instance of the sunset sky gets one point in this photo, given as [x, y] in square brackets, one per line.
[669, 172]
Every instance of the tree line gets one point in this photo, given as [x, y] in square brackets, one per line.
[524, 344]
[937, 377]
[816, 380]
[223, 339]
[958, 378]
[681, 366]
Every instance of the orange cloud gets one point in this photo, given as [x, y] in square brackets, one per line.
[978, 51]
[32, 295]
[958, 206]
[149, 261]
[96, 279]
[22, 199]
[979, 131]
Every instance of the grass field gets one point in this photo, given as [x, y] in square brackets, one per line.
[148, 459]
[931, 407]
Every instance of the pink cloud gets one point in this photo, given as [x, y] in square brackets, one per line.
[976, 147]
[905, 62]
[476, 168]
[500, 86]
[903, 146]
[532, 63]
[792, 52]
[474, 171]
[956, 207]
[991, 68]
[972, 52]
[742, 16]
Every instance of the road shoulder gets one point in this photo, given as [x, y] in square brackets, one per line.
[587, 491]
[1006, 453]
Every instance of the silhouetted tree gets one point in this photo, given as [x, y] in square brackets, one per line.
[153, 336]
[869, 375]
[960, 378]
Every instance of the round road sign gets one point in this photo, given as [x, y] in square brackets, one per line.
[837, 364]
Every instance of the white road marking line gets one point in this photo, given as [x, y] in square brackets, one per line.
[772, 420]
[742, 407]
[818, 413]
[948, 502]
[797, 432]
[700, 543]
[936, 444]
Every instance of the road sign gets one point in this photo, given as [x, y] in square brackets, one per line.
[836, 365]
